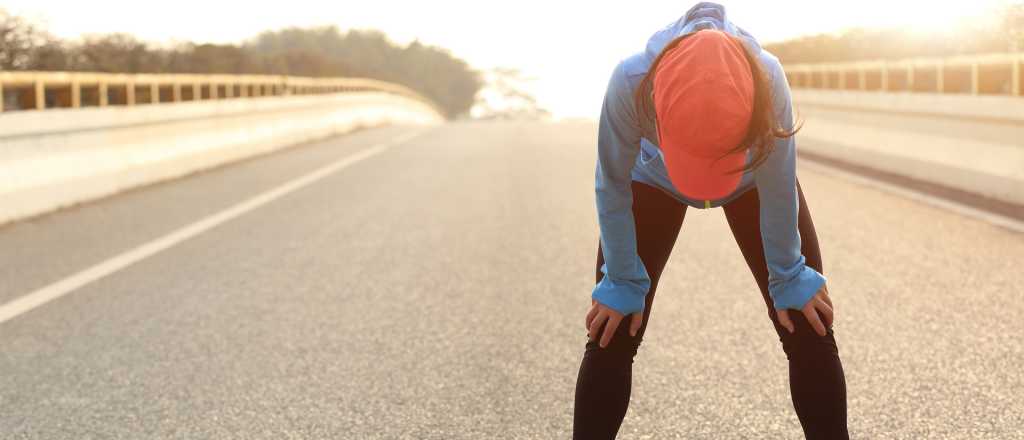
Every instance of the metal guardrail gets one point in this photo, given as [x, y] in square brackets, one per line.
[45, 90]
[988, 74]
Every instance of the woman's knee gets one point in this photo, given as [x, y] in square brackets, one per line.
[809, 346]
[622, 347]
[805, 343]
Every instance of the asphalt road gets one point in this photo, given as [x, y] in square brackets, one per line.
[438, 290]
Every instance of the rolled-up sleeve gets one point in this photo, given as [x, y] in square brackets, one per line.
[791, 283]
[626, 282]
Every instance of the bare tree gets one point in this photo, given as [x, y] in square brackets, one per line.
[117, 53]
[1014, 23]
[504, 97]
[18, 41]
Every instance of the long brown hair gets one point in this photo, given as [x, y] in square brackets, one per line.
[763, 129]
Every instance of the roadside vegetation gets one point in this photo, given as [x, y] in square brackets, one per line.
[319, 52]
[1003, 32]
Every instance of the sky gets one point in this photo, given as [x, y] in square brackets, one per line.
[568, 47]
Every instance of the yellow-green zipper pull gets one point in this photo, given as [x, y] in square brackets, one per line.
[707, 204]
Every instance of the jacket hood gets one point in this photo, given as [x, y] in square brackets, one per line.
[703, 15]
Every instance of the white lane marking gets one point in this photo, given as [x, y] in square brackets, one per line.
[990, 217]
[38, 297]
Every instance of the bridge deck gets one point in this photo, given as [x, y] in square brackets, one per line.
[438, 290]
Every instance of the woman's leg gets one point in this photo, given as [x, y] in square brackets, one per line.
[605, 375]
[816, 379]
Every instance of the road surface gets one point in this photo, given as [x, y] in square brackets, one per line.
[436, 289]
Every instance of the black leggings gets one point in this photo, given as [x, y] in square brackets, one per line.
[816, 380]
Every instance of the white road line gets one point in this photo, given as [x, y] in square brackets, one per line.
[29, 301]
[993, 218]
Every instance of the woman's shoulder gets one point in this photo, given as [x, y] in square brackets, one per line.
[631, 70]
[771, 64]
[622, 85]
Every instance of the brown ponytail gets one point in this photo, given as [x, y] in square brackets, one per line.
[763, 129]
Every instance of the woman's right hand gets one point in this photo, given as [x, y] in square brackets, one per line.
[819, 313]
[600, 313]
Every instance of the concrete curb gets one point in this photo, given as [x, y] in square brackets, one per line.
[57, 158]
[979, 153]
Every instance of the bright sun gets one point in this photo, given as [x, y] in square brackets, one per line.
[935, 19]
[934, 16]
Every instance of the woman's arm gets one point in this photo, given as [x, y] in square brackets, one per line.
[791, 283]
[626, 281]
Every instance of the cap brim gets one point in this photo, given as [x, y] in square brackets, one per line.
[702, 178]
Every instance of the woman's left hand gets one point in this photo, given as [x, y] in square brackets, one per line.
[820, 306]
[602, 314]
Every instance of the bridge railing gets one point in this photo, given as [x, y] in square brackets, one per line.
[987, 74]
[89, 135]
[955, 122]
[47, 90]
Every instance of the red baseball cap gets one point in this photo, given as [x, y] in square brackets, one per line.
[703, 102]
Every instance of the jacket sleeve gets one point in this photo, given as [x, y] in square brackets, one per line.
[791, 283]
[625, 282]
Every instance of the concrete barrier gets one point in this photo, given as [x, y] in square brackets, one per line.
[60, 157]
[971, 143]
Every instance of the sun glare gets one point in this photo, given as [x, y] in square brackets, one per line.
[934, 19]
[568, 85]
[931, 17]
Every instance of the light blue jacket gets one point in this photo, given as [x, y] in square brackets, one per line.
[627, 151]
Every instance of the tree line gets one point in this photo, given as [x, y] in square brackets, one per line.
[1006, 35]
[318, 52]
